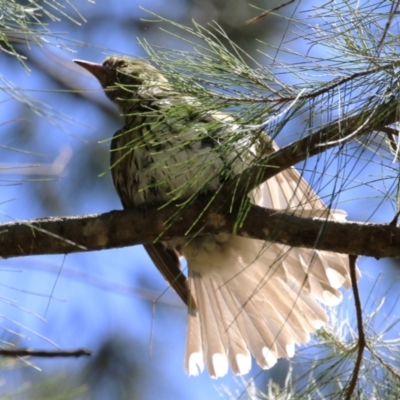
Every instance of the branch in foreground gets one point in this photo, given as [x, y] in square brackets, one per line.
[44, 353]
[130, 227]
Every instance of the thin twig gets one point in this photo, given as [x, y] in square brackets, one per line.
[265, 13]
[44, 353]
[325, 88]
[392, 13]
[361, 335]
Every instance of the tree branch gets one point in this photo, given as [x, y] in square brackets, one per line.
[130, 227]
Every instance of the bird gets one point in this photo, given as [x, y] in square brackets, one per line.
[246, 298]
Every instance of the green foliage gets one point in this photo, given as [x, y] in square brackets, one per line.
[30, 24]
[27, 23]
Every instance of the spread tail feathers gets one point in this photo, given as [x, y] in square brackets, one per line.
[255, 298]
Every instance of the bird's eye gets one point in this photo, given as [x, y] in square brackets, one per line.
[120, 64]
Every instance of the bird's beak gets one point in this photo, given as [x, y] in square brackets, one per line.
[96, 69]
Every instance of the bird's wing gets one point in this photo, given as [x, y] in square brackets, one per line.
[167, 262]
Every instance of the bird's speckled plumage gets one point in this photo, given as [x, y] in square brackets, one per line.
[245, 297]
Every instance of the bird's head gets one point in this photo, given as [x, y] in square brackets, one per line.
[124, 79]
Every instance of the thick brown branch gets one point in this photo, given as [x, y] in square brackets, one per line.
[130, 227]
